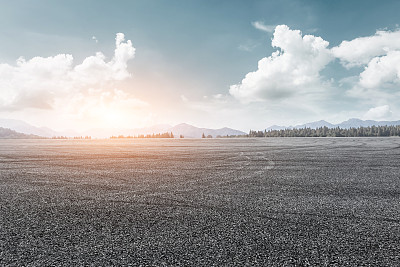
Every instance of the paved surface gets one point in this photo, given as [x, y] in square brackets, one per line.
[294, 201]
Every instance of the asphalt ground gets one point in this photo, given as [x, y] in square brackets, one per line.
[196, 202]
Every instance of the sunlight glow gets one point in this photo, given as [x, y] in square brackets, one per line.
[110, 116]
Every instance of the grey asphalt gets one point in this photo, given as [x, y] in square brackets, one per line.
[193, 202]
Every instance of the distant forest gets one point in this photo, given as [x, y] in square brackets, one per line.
[75, 137]
[330, 132]
[158, 135]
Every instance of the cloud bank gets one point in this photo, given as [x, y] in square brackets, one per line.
[293, 71]
[360, 51]
[42, 82]
[378, 113]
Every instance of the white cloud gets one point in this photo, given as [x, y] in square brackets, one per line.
[360, 51]
[378, 113]
[95, 39]
[41, 82]
[380, 56]
[294, 70]
[262, 27]
[382, 72]
[248, 46]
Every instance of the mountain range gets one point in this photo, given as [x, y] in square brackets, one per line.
[26, 128]
[187, 130]
[351, 123]
[11, 134]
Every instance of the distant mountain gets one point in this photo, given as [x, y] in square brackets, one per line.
[11, 134]
[105, 133]
[191, 131]
[26, 128]
[315, 124]
[187, 130]
[351, 123]
[354, 123]
[184, 129]
[277, 127]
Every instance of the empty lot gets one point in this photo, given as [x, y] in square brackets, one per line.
[276, 201]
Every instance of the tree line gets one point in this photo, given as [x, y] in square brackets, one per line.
[387, 130]
[75, 137]
[158, 135]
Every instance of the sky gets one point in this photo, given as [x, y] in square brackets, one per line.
[240, 64]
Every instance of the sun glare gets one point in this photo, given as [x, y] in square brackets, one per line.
[110, 116]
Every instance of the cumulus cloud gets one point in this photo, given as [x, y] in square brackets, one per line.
[292, 73]
[382, 72]
[40, 82]
[294, 69]
[361, 51]
[380, 56]
[94, 69]
[378, 113]
[263, 27]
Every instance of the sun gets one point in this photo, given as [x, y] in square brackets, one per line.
[110, 116]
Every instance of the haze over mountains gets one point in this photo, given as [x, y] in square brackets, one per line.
[26, 128]
[187, 130]
[11, 134]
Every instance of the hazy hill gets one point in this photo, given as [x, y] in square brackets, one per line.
[107, 132]
[316, 124]
[184, 129]
[187, 130]
[191, 131]
[278, 127]
[354, 123]
[26, 128]
[11, 134]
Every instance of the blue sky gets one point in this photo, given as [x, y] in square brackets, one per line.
[187, 62]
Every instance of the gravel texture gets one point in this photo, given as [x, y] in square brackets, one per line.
[194, 202]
